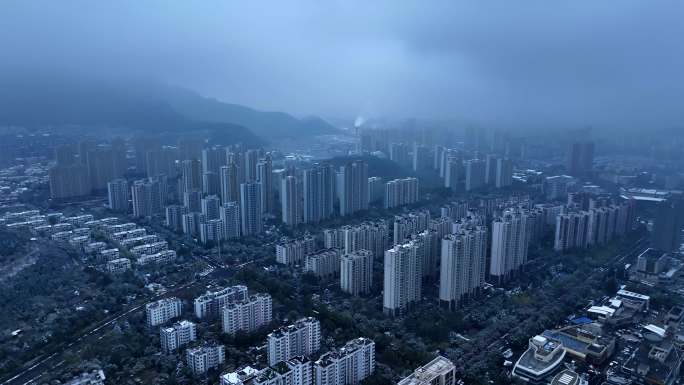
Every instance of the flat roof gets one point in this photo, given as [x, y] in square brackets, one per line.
[631, 294]
[424, 374]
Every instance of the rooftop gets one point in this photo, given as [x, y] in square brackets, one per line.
[424, 374]
[543, 356]
[566, 377]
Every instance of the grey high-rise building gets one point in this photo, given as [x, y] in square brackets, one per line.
[230, 185]
[354, 187]
[318, 192]
[376, 189]
[211, 183]
[356, 272]
[302, 338]
[453, 171]
[146, 196]
[104, 164]
[237, 157]
[350, 364]
[230, 215]
[65, 155]
[400, 192]
[190, 148]
[118, 195]
[250, 208]
[399, 153]
[213, 159]
[402, 277]
[265, 177]
[251, 160]
[192, 200]
[191, 175]
[69, 181]
[161, 162]
[490, 169]
[177, 335]
[174, 217]
[667, 225]
[210, 207]
[290, 201]
[510, 242]
[463, 263]
[580, 158]
[475, 171]
[421, 157]
[504, 173]
[142, 146]
[437, 157]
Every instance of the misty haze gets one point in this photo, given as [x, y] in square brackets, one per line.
[341, 193]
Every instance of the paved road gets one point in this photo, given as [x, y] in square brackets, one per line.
[51, 362]
[46, 363]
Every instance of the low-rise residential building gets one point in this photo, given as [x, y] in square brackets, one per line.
[356, 272]
[295, 371]
[347, 365]
[242, 376]
[94, 247]
[247, 315]
[177, 335]
[293, 251]
[162, 257]
[323, 264]
[118, 265]
[302, 338]
[202, 358]
[109, 254]
[161, 311]
[150, 248]
[210, 303]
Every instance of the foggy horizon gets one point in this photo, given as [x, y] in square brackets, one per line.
[341, 192]
[607, 65]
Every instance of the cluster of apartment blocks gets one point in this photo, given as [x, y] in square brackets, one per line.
[289, 349]
[182, 333]
[349, 364]
[237, 310]
[594, 226]
[223, 190]
[472, 174]
[214, 222]
[463, 241]
[78, 231]
[460, 241]
[145, 248]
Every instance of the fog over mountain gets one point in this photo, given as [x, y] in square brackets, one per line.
[608, 64]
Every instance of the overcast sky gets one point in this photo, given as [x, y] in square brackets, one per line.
[570, 63]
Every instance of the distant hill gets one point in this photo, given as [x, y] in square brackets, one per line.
[263, 123]
[68, 101]
[153, 108]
